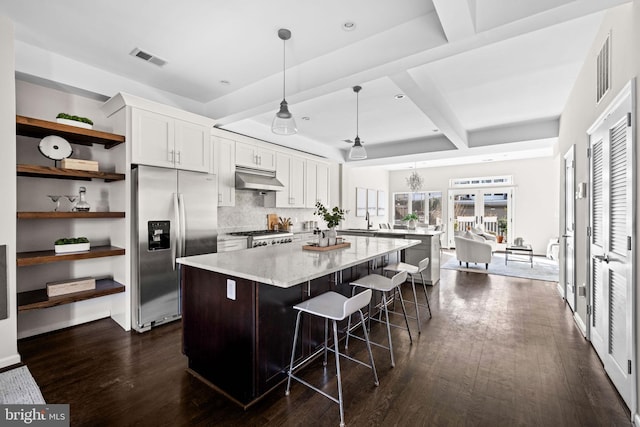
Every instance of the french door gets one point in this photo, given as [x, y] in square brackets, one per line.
[486, 207]
[610, 245]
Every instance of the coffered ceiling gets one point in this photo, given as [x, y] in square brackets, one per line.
[481, 78]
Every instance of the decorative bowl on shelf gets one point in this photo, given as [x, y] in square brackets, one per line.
[75, 123]
[72, 244]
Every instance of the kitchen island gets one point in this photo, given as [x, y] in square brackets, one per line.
[237, 314]
[429, 247]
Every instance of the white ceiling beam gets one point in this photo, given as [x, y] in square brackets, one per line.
[429, 99]
[456, 18]
[321, 76]
[515, 132]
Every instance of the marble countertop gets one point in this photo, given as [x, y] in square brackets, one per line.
[289, 265]
[396, 232]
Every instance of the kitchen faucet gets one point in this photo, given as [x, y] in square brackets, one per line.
[368, 223]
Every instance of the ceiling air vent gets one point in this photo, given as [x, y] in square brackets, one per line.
[603, 73]
[148, 57]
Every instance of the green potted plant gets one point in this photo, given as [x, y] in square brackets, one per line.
[411, 218]
[71, 244]
[77, 121]
[332, 218]
[502, 228]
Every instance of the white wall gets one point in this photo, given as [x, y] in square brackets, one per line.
[8, 327]
[536, 190]
[374, 178]
[580, 113]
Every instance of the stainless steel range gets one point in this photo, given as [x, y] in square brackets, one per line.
[261, 238]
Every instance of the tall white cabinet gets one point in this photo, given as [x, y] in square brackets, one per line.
[290, 171]
[225, 170]
[317, 183]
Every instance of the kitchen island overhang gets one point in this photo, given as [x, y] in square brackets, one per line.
[237, 310]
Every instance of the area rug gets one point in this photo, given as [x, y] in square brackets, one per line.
[17, 386]
[543, 268]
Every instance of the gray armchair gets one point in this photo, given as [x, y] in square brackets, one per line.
[471, 249]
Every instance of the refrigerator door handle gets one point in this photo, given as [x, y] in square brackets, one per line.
[183, 226]
[176, 249]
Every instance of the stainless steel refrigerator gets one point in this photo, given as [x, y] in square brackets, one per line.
[175, 216]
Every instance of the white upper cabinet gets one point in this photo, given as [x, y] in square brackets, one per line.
[317, 183]
[192, 146]
[225, 170]
[253, 156]
[290, 172]
[160, 140]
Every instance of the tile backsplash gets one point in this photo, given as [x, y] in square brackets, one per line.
[249, 213]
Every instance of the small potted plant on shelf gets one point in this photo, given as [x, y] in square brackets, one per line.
[71, 244]
[332, 218]
[411, 219]
[77, 121]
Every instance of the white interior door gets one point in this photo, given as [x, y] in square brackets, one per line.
[569, 234]
[611, 268]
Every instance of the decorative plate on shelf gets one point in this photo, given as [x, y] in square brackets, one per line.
[55, 147]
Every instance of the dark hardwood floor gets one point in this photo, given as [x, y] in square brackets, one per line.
[498, 351]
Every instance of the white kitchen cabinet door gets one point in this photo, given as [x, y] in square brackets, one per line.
[317, 184]
[153, 139]
[266, 159]
[192, 146]
[225, 160]
[251, 156]
[290, 171]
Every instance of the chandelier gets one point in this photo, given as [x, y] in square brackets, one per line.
[415, 181]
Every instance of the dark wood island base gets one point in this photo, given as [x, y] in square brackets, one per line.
[241, 347]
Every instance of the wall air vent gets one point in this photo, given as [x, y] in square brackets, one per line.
[603, 72]
[146, 56]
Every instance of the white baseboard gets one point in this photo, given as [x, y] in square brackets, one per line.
[636, 419]
[561, 290]
[14, 359]
[580, 323]
[63, 324]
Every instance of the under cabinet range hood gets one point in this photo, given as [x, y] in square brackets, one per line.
[255, 179]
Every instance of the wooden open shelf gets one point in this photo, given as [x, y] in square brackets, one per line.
[67, 215]
[38, 128]
[32, 300]
[43, 257]
[51, 172]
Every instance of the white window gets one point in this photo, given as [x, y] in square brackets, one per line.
[427, 205]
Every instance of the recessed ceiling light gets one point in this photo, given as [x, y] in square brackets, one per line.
[349, 26]
[225, 82]
[306, 118]
[399, 96]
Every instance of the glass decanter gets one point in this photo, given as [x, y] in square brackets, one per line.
[82, 205]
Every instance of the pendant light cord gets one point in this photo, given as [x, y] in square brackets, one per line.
[284, 67]
[357, 113]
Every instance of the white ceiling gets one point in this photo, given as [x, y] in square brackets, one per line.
[482, 79]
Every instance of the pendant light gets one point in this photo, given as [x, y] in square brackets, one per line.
[357, 151]
[283, 122]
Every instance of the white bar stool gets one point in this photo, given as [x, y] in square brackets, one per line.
[332, 306]
[414, 271]
[385, 285]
